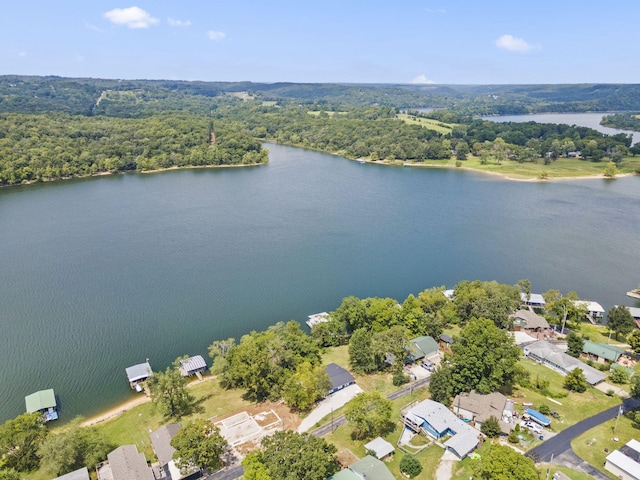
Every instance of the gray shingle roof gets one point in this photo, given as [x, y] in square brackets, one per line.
[128, 464]
[80, 474]
[561, 361]
[161, 441]
[339, 376]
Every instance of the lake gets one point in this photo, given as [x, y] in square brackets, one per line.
[99, 274]
[591, 120]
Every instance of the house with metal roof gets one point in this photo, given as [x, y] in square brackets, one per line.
[137, 374]
[125, 463]
[437, 421]
[601, 352]
[625, 462]
[421, 347]
[339, 377]
[369, 468]
[535, 300]
[44, 402]
[554, 358]
[80, 474]
[595, 312]
[192, 366]
[380, 447]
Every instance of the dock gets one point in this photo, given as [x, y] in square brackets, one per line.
[44, 402]
[635, 293]
[137, 374]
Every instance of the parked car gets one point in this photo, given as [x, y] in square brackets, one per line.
[428, 365]
[533, 427]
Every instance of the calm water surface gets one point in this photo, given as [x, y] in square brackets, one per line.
[99, 274]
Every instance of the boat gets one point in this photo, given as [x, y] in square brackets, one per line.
[361, 161]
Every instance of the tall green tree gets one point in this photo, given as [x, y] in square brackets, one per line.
[352, 313]
[500, 462]
[20, 440]
[575, 381]
[441, 384]
[363, 358]
[484, 358]
[289, 455]
[575, 344]
[199, 444]
[634, 341]
[620, 321]
[218, 352]
[491, 427]
[369, 415]
[635, 386]
[73, 448]
[306, 386]
[565, 308]
[393, 342]
[169, 392]
[490, 300]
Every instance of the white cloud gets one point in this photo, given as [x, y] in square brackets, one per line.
[513, 44]
[132, 17]
[215, 36]
[178, 23]
[422, 79]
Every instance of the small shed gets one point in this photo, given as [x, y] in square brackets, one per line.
[445, 341]
[339, 377]
[380, 447]
[44, 402]
[138, 374]
[192, 366]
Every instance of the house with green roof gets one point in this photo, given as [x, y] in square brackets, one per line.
[44, 402]
[601, 352]
[369, 468]
[421, 347]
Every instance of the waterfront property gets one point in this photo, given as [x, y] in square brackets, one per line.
[625, 462]
[317, 318]
[437, 421]
[125, 463]
[138, 374]
[550, 356]
[535, 300]
[595, 312]
[161, 442]
[635, 313]
[44, 402]
[525, 320]
[193, 366]
[340, 378]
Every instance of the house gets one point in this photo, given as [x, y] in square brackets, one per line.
[369, 468]
[625, 462]
[531, 323]
[535, 300]
[601, 352]
[437, 421]
[80, 474]
[549, 355]
[595, 312]
[445, 341]
[193, 366]
[421, 347]
[137, 374]
[317, 318]
[380, 447]
[161, 442]
[635, 313]
[44, 402]
[339, 377]
[125, 463]
[479, 408]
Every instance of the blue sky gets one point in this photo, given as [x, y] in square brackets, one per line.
[355, 41]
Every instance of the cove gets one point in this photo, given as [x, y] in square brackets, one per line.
[99, 274]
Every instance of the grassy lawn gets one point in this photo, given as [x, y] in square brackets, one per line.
[428, 457]
[427, 123]
[596, 452]
[597, 333]
[574, 407]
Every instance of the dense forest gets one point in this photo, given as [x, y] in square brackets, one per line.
[624, 121]
[52, 127]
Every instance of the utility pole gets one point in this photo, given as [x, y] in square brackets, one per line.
[549, 469]
[331, 419]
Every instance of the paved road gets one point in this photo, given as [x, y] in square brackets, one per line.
[560, 445]
[236, 471]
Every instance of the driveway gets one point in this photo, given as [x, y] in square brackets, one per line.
[331, 403]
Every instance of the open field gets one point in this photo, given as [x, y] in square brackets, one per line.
[596, 452]
[427, 123]
[563, 168]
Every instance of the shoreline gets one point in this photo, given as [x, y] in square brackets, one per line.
[122, 408]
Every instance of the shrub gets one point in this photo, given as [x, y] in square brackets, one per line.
[491, 428]
[410, 466]
[400, 379]
[513, 437]
[544, 409]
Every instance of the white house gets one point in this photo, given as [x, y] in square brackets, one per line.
[625, 462]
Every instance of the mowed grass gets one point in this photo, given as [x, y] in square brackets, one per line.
[134, 426]
[427, 123]
[595, 452]
[572, 408]
[428, 457]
